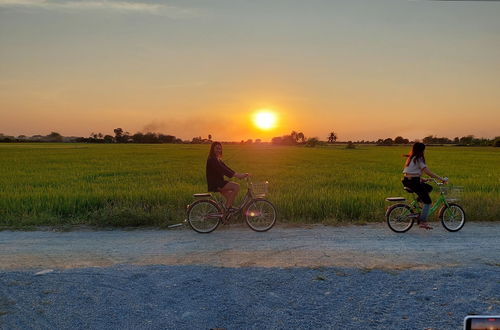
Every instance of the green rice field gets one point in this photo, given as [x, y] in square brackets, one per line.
[132, 185]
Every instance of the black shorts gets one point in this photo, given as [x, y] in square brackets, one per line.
[421, 189]
[217, 186]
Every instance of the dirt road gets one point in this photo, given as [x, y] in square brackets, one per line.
[312, 277]
[368, 247]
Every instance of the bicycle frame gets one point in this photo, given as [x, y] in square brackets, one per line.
[205, 214]
[414, 205]
[440, 201]
[401, 215]
[245, 201]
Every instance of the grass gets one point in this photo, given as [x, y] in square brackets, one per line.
[137, 185]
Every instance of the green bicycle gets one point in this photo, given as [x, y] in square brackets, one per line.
[205, 214]
[400, 216]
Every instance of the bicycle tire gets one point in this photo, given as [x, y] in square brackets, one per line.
[260, 214]
[395, 215]
[204, 216]
[448, 215]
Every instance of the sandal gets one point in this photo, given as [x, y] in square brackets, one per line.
[424, 225]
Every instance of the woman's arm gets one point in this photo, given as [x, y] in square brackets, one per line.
[230, 173]
[241, 175]
[225, 170]
[432, 174]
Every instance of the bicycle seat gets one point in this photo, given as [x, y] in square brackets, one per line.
[408, 190]
[202, 195]
[395, 199]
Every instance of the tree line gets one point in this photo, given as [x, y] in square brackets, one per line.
[468, 140]
[294, 138]
[120, 136]
[298, 138]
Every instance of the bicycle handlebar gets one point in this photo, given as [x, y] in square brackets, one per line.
[445, 180]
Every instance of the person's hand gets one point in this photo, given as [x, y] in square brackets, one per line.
[444, 180]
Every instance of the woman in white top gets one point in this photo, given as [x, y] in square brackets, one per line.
[414, 166]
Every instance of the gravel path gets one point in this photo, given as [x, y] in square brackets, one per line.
[202, 297]
[371, 246]
[308, 277]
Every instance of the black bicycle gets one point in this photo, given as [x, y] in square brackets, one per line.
[205, 214]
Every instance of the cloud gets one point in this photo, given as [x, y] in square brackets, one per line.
[100, 5]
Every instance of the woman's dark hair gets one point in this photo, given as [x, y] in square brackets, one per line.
[417, 153]
[212, 149]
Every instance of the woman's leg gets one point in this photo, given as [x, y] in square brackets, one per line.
[425, 212]
[230, 191]
[422, 191]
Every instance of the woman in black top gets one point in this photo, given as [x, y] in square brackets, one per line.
[216, 170]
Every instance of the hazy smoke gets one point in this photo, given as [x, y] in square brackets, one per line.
[221, 129]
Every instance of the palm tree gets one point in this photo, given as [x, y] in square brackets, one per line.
[332, 137]
[301, 137]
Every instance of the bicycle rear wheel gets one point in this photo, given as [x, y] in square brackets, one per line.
[399, 218]
[260, 214]
[452, 217]
[204, 216]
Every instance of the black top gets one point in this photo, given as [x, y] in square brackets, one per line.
[216, 169]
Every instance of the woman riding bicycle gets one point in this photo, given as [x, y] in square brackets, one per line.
[414, 166]
[216, 170]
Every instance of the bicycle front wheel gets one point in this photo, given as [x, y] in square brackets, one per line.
[260, 214]
[399, 218]
[204, 216]
[452, 217]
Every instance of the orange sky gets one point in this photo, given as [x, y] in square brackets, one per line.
[189, 68]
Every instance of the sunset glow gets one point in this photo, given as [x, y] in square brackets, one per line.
[265, 120]
[215, 71]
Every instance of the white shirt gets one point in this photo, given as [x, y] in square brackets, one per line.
[415, 168]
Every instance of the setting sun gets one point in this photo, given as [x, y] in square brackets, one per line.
[265, 119]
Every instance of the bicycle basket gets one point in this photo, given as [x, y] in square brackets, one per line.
[452, 193]
[259, 188]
